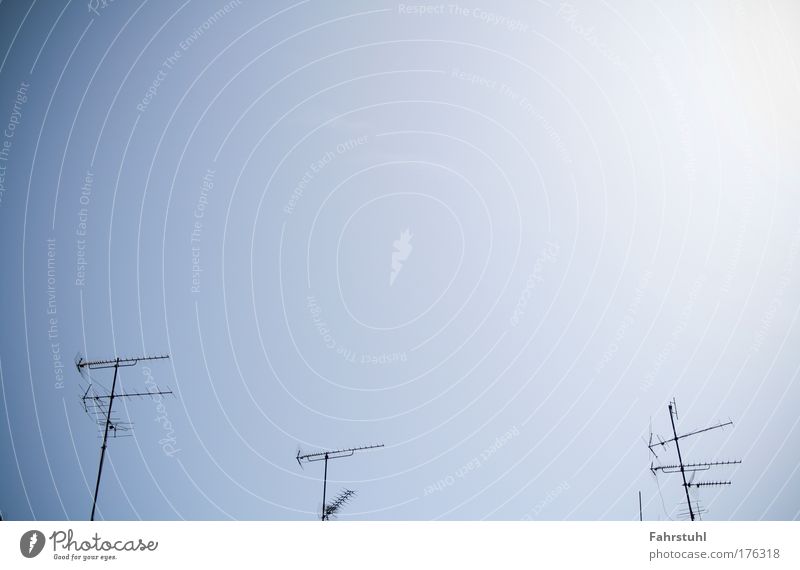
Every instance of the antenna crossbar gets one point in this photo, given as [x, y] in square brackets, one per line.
[664, 443]
[117, 362]
[128, 395]
[333, 453]
[692, 466]
[708, 484]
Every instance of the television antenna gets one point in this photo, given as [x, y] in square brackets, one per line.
[99, 404]
[693, 509]
[345, 495]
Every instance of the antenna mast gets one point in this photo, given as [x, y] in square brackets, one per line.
[345, 495]
[101, 405]
[640, 506]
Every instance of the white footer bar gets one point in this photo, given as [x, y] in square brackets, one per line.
[379, 545]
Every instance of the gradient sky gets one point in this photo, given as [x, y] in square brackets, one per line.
[593, 208]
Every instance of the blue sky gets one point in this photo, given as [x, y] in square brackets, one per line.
[498, 239]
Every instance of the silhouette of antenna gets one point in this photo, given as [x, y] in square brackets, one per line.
[99, 404]
[345, 495]
[333, 508]
[693, 510]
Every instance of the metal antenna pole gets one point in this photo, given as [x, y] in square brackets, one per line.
[105, 438]
[324, 486]
[98, 404]
[680, 462]
[640, 506]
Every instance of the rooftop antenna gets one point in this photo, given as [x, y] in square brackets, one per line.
[98, 404]
[345, 495]
[694, 510]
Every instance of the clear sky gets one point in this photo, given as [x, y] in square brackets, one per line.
[498, 238]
